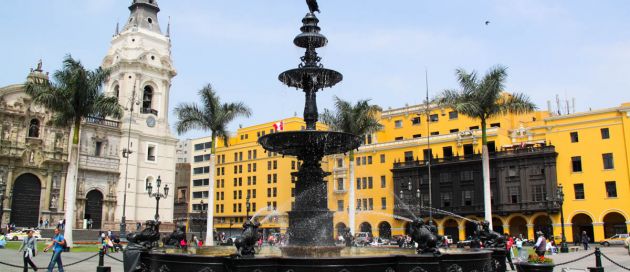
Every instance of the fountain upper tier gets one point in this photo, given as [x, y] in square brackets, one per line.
[298, 143]
[310, 74]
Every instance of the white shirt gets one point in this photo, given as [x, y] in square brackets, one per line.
[540, 239]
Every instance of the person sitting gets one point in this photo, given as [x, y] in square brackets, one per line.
[116, 246]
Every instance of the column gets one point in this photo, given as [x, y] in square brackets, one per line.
[557, 231]
[506, 229]
[568, 231]
[47, 190]
[462, 232]
[8, 193]
[440, 230]
[598, 232]
[530, 232]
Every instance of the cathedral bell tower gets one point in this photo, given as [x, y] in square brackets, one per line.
[141, 72]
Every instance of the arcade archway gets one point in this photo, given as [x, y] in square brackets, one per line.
[385, 230]
[582, 223]
[614, 223]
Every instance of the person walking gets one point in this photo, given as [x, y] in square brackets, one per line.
[627, 244]
[57, 244]
[508, 252]
[585, 240]
[28, 249]
[541, 244]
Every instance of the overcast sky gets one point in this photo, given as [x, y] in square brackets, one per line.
[576, 49]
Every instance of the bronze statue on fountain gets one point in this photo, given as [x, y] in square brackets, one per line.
[425, 235]
[174, 239]
[145, 239]
[490, 238]
[140, 242]
[245, 246]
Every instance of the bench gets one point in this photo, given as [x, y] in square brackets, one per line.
[574, 249]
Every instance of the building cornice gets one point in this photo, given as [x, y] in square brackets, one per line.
[453, 137]
[587, 113]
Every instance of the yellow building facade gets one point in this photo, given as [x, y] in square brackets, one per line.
[246, 173]
[591, 202]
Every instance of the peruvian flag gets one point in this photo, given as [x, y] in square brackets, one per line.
[279, 126]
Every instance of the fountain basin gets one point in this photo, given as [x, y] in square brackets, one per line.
[457, 261]
[296, 143]
[319, 77]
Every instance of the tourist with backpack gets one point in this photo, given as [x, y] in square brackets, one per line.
[58, 244]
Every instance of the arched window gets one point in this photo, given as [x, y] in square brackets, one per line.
[117, 91]
[33, 129]
[147, 99]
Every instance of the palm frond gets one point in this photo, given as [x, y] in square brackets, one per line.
[190, 117]
[359, 119]
[516, 103]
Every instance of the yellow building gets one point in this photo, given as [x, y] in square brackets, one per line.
[595, 191]
[594, 169]
[244, 169]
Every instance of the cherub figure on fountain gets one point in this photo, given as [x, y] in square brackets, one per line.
[147, 238]
[174, 239]
[426, 239]
[245, 246]
[139, 242]
[490, 238]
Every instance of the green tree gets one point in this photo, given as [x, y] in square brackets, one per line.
[484, 99]
[73, 95]
[211, 116]
[360, 119]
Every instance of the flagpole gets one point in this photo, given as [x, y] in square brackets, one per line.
[430, 154]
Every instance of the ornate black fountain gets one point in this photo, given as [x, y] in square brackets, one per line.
[309, 146]
[311, 241]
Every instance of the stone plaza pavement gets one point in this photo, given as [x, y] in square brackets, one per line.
[42, 259]
[617, 254]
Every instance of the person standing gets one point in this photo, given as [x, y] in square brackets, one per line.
[58, 243]
[3, 239]
[585, 240]
[28, 249]
[541, 244]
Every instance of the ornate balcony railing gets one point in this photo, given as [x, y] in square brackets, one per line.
[102, 122]
[533, 150]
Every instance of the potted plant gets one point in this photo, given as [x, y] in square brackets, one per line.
[535, 263]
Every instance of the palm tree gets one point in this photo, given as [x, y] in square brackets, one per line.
[214, 117]
[484, 99]
[360, 119]
[74, 94]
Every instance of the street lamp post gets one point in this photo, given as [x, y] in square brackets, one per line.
[125, 153]
[564, 248]
[157, 195]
